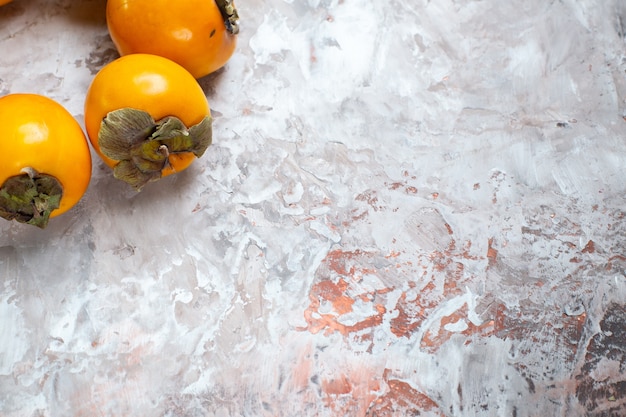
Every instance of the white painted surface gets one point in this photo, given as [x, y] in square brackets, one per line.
[408, 206]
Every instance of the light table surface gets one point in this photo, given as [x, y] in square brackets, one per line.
[409, 208]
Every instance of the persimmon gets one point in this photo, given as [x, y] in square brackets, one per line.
[147, 117]
[46, 161]
[200, 35]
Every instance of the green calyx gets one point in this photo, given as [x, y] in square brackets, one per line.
[30, 197]
[143, 146]
[230, 15]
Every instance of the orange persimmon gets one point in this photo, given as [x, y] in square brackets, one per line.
[200, 35]
[147, 117]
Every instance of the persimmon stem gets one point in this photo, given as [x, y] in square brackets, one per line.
[143, 146]
[230, 15]
[31, 172]
[165, 151]
[30, 197]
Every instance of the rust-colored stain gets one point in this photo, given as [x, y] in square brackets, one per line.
[395, 185]
[421, 298]
[337, 386]
[492, 253]
[343, 262]
[351, 391]
[602, 388]
[367, 392]
[413, 311]
[335, 294]
[408, 189]
[338, 291]
[616, 259]
[432, 339]
[341, 305]
[401, 399]
[590, 247]
[371, 198]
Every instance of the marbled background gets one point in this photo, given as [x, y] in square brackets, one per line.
[410, 208]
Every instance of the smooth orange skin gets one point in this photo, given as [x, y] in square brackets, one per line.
[3, 2]
[39, 133]
[191, 33]
[150, 83]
